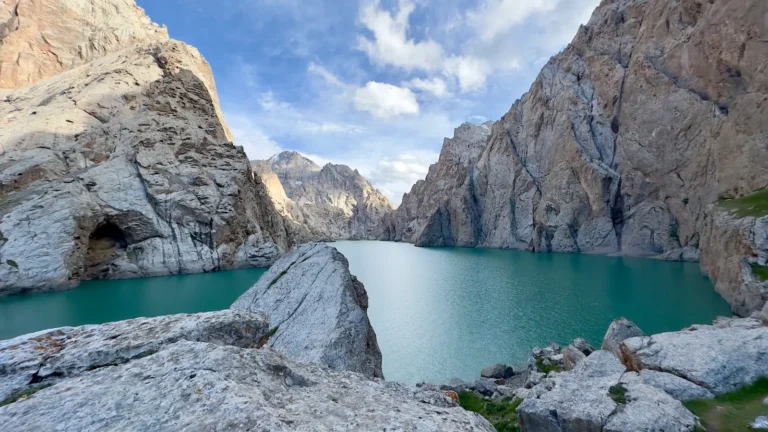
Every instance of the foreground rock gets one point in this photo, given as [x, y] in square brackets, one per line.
[317, 310]
[581, 400]
[122, 167]
[498, 371]
[203, 386]
[50, 356]
[720, 358]
[333, 202]
[627, 142]
[619, 331]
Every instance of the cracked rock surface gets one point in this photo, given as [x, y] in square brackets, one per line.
[317, 310]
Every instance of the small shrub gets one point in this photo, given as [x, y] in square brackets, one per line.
[547, 368]
[760, 271]
[502, 414]
[618, 393]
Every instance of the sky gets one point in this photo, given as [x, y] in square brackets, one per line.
[373, 84]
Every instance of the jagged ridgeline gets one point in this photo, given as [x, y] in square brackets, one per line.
[332, 203]
[647, 135]
[115, 160]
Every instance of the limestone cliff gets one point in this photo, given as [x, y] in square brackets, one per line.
[333, 202]
[122, 166]
[626, 143]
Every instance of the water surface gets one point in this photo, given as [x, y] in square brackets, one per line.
[438, 313]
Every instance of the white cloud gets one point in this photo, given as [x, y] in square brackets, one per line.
[390, 45]
[471, 72]
[435, 86]
[325, 74]
[385, 100]
[256, 143]
[395, 175]
[495, 17]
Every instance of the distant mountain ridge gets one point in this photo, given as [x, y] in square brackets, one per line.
[334, 202]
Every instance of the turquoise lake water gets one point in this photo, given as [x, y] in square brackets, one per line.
[438, 313]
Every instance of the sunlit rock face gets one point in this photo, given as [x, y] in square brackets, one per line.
[333, 202]
[121, 166]
[627, 142]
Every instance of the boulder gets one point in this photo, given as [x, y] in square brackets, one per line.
[760, 423]
[679, 388]
[317, 310]
[721, 358]
[571, 357]
[49, 356]
[500, 371]
[202, 386]
[583, 346]
[649, 409]
[618, 331]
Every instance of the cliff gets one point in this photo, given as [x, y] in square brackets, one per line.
[122, 165]
[629, 142]
[333, 202]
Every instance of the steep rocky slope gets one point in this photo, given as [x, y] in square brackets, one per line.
[124, 166]
[333, 202]
[626, 143]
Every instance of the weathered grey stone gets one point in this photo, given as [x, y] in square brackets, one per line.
[583, 346]
[721, 358]
[483, 386]
[578, 400]
[679, 388]
[52, 355]
[318, 310]
[650, 410]
[498, 370]
[333, 202]
[618, 331]
[571, 357]
[200, 386]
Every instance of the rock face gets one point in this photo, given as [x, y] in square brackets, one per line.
[41, 38]
[50, 356]
[333, 202]
[123, 167]
[317, 310]
[625, 143]
[720, 358]
[579, 400]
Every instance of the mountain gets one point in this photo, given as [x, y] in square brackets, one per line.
[115, 159]
[333, 202]
[639, 138]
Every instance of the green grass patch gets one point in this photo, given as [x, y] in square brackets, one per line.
[618, 393]
[502, 414]
[755, 205]
[732, 412]
[547, 368]
[760, 271]
[23, 393]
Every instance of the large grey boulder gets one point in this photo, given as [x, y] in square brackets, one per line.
[317, 310]
[618, 331]
[679, 388]
[201, 386]
[598, 395]
[721, 358]
[49, 356]
[499, 371]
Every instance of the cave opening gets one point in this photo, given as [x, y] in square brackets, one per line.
[105, 244]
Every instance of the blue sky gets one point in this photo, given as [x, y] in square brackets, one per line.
[375, 85]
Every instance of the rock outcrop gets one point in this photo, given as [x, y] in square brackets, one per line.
[626, 143]
[619, 331]
[317, 310]
[124, 166]
[333, 202]
[47, 357]
[193, 385]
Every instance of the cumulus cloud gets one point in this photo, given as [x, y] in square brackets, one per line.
[390, 45]
[435, 86]
[385, 100]
[396, 175]
[495, 17]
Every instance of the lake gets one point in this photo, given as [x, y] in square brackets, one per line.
[438, 313]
